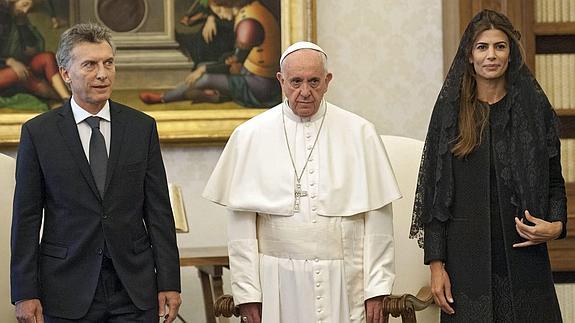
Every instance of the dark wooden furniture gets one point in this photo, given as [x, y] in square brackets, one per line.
[403, 306]
[210, 262]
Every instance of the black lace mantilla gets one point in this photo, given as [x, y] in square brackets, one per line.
[522, 154]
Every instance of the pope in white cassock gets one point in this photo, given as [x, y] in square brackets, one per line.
[309, 188]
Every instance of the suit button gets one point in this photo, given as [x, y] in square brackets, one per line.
[105, 216]
[99, 251]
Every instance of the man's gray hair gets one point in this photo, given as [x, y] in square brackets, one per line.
[81, 33]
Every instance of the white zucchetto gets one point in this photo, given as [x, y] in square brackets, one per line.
[300, 45]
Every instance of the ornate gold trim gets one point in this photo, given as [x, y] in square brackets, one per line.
[298, 20]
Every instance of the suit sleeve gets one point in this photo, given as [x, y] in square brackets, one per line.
[379, 254]
[159, 219]
[244, 257]
[28, 205]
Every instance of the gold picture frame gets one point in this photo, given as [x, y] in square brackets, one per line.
[199, 126]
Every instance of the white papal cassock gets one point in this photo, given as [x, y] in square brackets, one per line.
[321, 263]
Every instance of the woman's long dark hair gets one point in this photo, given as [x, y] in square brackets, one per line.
[473, 114]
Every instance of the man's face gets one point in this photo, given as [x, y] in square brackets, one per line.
[90, 74]
[304, 81]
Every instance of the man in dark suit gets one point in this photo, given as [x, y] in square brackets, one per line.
[108, 249]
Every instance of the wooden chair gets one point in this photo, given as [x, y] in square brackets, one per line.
[7, 182]
[412, 276]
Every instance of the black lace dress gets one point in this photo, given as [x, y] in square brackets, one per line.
[464, 209]
[491, 281]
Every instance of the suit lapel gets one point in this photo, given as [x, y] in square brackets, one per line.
[116, 140]
[69, 131]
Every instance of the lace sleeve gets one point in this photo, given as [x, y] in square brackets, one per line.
[435, 241]
[557, 198]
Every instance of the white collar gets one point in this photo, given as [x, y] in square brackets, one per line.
[80, 114]
[291, 115]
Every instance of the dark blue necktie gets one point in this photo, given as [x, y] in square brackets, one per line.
[98, 154]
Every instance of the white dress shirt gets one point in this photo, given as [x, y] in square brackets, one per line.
[84, 129]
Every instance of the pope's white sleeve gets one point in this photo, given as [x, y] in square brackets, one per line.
[244, 257]
[378, 252]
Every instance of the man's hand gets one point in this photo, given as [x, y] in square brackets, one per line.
[173, 301]
[441, 287]
[250, 312]
[542, 231]
[374, 310]
[29, 311]
[20, 69]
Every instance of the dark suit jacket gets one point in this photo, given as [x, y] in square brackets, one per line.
[133, 218]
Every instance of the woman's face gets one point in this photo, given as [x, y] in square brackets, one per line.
[490, 54]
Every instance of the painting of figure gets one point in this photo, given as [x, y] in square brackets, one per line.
[29, 78]
[244, 59]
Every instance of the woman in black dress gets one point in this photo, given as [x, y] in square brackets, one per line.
[490, 192]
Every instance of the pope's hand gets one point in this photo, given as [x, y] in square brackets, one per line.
[250, 312]
[374, 310]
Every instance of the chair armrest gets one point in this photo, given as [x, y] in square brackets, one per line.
[224, 306]
[406, 305]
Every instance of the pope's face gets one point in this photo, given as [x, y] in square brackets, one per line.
[304, 81]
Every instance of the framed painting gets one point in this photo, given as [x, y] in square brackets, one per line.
[172, 57]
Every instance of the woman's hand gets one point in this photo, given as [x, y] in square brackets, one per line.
[541, 231]
[441, 286]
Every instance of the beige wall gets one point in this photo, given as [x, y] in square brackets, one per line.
[386, 57]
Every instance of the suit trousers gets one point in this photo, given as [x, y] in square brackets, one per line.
[111, 303]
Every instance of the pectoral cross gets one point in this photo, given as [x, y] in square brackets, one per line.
[298, 194]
